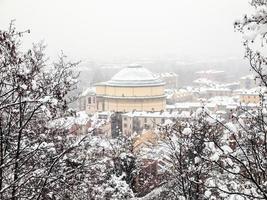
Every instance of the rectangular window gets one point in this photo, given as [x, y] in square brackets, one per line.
[84, 104]
[89, 100]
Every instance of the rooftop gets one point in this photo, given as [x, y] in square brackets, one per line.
[211, 71]
[88, 91]
[135, 75]
[164, 114]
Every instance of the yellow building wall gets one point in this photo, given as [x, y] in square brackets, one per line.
[100, 90]
[127, 105]
[130, 91]
[157, 90]
[250, 99]
[120, 91]
[122, 105]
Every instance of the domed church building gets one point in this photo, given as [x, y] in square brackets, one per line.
[134, 88]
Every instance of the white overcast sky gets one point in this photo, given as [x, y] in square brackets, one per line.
[118, 29]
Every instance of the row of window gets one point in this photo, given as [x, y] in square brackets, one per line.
[145, 121]
[91, 100]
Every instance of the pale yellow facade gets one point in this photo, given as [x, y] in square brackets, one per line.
[126, 99]
[113, 91]
[132, 89]
[250, 98]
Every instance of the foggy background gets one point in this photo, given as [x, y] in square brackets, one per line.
[164, 35]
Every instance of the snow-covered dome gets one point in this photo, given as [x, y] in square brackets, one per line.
[135, 75]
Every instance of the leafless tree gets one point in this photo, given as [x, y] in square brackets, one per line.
[32, 93]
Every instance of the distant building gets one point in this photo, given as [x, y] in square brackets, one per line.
[204, 82]
[87, 101]
[184, 95]
[213, 75]
[209, 92]
[138, 121]
[184, 106]
[132, 88]
[212, 92]
[248, 82]
[250, 98]
[173, 96]
[170, 78]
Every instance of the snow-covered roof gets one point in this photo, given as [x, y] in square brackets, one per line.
[252, 91]
[135, 75]
[168, 74]
[188, 105]
[164, 114]
[211, 71]
[204, 81]
[88, 91]
[250, 76]
[223, 100]
[218, 89]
